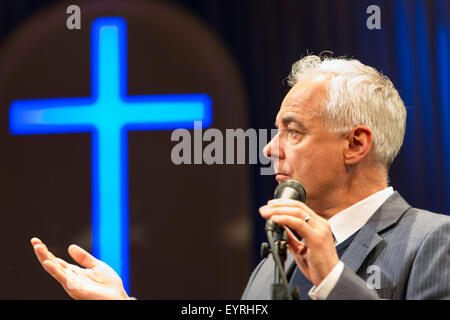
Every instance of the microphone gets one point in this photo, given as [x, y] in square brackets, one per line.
[289, 189]
[277, 242]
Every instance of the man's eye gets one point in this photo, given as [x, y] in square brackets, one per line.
[293, 131]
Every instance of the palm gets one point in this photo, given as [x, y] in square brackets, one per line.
[96, 281]
[100, 282]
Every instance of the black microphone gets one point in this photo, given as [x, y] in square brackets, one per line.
[277, 241]
[289, 189]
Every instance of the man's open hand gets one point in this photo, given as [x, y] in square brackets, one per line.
[96, 281]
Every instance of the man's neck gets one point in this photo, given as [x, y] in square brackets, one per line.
[347, 195]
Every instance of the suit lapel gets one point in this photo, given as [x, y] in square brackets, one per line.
[369, 235]
[362, 245]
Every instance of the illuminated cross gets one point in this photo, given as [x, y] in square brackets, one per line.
[108, 115]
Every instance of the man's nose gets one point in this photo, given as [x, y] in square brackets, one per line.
[272, 149]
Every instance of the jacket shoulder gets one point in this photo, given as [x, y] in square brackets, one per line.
[423, 222]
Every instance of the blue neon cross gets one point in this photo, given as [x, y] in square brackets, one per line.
[108, 115]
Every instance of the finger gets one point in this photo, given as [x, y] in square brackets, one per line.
[42, 247]
[62, 263]
[302, 263]
[35, 241]
[43, 255]
[294, 245]
[283, 201]
[82, 257]
[299, 225]
[55, 272]
[291, 203]
[267, 211]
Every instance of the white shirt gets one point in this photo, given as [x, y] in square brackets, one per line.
[343, 224]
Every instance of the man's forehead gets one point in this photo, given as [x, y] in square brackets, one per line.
[308, 91]
[302, 101]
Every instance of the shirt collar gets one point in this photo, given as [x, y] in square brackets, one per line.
[346, 222]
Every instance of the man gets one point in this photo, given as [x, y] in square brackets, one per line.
[340, 127]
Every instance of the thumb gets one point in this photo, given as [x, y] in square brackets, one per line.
[82, 257]
[295, 245]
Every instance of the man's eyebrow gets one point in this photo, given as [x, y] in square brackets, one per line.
[289, 119]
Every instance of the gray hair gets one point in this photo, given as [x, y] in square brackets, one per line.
[358, 95]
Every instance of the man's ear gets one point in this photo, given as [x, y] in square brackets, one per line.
[358, 145]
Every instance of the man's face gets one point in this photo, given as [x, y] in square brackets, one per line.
[303, 149]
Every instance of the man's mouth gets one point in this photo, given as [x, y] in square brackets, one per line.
[281, 176]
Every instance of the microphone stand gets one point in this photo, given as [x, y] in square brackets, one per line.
[277, 245]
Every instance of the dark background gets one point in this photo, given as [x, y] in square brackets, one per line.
[264, 38]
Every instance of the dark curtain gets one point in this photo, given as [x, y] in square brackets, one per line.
[266, 37]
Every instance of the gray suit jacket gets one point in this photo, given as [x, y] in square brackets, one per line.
[408, 249]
